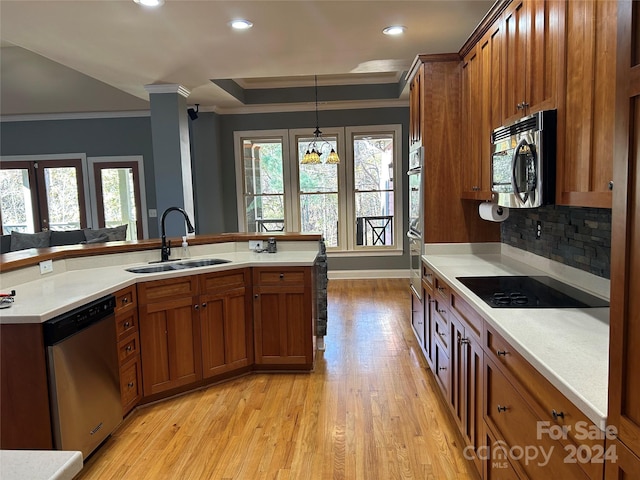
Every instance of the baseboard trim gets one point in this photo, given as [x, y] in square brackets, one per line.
[364, 274]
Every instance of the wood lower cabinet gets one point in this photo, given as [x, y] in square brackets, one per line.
[283, 317]
[621, 463]
[586, 117]
[226, 326]
[169, 334]
[624, 354]
[128, 335]
[417, 317]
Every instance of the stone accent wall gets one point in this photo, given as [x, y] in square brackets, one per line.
[579, 237]
[321, 287]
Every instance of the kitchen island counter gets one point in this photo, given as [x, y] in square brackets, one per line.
[39, 464]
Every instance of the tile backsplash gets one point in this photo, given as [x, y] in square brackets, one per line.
[575, 236]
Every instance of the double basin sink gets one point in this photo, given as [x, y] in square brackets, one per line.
[166, 267]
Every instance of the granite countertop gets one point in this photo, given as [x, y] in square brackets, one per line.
[50, 295]
[568, 346]
[39, 464]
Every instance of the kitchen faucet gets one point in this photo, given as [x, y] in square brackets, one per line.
[166, 247]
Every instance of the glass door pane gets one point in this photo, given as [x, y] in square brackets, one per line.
[62, 199]
[118, 197]
[17, 200]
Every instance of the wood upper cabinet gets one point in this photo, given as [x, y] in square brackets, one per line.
[624, 354]
[226, 326]
[481, 104]
[586, 117]
[283, 317]
[169, 334]
[530, 58]
[416, 108]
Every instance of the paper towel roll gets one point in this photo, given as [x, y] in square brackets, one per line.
[493, 212]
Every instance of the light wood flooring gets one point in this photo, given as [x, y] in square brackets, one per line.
[369, 411]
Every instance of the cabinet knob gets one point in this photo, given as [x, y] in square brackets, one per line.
[128, 349]
[204, 305]
[125, 300]
[502, 353]
[442, 310]
[196, 306]
[520, 106]
[557, 415]
[255, 296]
[130, 384]
[442, 368]
[611, 185]
[501, 409]
[127, 324]
[441, 334]
[281, 276]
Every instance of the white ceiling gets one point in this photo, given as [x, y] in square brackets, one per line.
[97, 55]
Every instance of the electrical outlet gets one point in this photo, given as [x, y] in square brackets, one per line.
[538, 229]
[255, 245]
[46, 267]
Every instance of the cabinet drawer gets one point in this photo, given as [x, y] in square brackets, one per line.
[277, 276]
[427, 278]
[442, 332]
[221, 281]
[129, 347]
[495, 463]
[442, 290]
[473, 322]
[130, 385]
[125, 299]
[546, 400]
[442, 369]
[160, 290]
[510, 418]
[126, 323]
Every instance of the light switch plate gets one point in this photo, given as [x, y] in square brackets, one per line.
[46, 267]
[255, 245]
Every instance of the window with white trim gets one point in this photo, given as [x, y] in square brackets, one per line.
[355, 205]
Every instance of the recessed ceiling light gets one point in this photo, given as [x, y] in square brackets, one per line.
[394, 30]
[149, 3]
[240, 24]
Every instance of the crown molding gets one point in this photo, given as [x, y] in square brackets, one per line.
[73, 116]
[309, 107]
[167, 88]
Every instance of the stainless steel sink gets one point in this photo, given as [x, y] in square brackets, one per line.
[166, 267]
[153, 268]
[202, 262]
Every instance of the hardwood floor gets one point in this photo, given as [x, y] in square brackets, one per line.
[369, 411]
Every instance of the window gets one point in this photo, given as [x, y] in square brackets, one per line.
[355, 205]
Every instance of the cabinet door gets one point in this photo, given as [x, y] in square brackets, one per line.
[472, 124]
[416, 115]
[170, 344]
[621, 463]
[586, 129]
[226, 339]
[624, 354]
[417, 318]
[283, 326]
[514, 65]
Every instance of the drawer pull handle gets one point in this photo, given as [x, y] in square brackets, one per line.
[502, 353]
[130, 384]
[127, 324]
[557, 415]
[501, 409]
[125, 300]
[281, 275]
[442, 368]
[441, 334]
[442, 311]
[128, 349]
[463, 341]
[441, 289]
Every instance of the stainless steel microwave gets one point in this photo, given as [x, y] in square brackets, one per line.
[523, 162]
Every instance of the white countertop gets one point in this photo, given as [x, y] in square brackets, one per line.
[90, 278]
[568, 346]
[39, 464]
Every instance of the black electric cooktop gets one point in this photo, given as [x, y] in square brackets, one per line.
[529, 292]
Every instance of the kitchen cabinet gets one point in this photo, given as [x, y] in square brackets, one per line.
[128, 337]
[481, 103]
[427, 299]
[531, 56]
[586, 117]
[226, 326]
[417, 318]
[624, 355]
[283, 317]
[496, 466]
[623, 464]
[446, 218]
[169, 333]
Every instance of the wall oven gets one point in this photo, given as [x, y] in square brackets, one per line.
[416, 220]
[523, 162]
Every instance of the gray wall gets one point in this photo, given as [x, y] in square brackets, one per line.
[95, 137]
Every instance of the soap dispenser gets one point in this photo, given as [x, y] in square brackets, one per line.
[185, 247]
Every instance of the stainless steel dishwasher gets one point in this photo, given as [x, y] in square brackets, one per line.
[84, 380]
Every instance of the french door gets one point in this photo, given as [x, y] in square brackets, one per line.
[42, 195]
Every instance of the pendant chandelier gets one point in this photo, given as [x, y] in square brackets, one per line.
[312, 156]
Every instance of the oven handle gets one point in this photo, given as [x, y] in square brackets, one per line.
[413, 236]
[514, 184]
